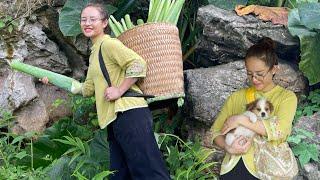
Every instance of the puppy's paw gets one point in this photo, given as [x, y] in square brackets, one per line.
[252, 116]
[230, 138]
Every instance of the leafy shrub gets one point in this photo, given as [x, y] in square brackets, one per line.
[11, 152]
[303, 22]
[186, 160]
[308, 105]
[304, 147]
[302, 141]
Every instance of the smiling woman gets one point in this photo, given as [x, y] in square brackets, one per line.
[261, 64]
[134, 153]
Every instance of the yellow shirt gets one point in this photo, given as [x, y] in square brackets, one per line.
[121, 62]
[285, 104]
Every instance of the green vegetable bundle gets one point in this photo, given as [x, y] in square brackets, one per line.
[59, 80]
[167, 11]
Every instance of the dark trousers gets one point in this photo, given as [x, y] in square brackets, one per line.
[238, 172]
[134, 153]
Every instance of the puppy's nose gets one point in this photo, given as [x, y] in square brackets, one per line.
[263, 114]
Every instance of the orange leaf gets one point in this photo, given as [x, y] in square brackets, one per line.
[277, 15]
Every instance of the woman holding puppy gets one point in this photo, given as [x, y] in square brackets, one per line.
[261, 65]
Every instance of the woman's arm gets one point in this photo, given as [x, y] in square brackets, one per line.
[257, 127]
[242, 120]
[113, 93]
[280, 127]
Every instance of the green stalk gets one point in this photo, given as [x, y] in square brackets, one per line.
[153, 10]
[170, 9]
[158, 11]
[166, 8]
[59, 80]
[114, 28]
[140, 21]
[31, 155]
[118, 25]
[6, 162]
[128, 21]
[124, 24]
[175, 12]
[150, 7]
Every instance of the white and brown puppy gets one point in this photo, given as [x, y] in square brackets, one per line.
[257, 110]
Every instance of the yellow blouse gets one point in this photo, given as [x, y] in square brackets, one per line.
[121, 62]
[285, 104]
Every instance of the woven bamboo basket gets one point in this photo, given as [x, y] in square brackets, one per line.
[159, 45]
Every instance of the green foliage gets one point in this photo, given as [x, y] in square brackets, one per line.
[304, 147]
[186, 160]
[65, 151]
[310, 57]
[302, 141]
[83, 159]
[58, 102]
[6, 118]
[308, 105]
[259, 2]
[227, 4]
[7, 24]
[69, 16]
[163, 124]
[46, 146]
[304, 22]
[84, 111]
[11, 152]
[279, 3]
[295, 3]
[124, 7]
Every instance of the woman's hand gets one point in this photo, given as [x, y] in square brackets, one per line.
[112, 93]
[232, 122]
[239, 146]
[44, 80]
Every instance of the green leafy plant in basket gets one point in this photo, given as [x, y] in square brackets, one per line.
[165, 11]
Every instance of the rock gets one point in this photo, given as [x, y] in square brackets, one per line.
[34, 47]
[227, 36]
[43, 52]
[19, 96]
[311, 171]
[33, 117]
[18, 90]
[58, 3]
[53, 96]
[75, 48]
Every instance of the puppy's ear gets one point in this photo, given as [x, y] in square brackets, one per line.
[251, 105]
[270, 106]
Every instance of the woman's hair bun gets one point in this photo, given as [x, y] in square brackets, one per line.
[268, 42]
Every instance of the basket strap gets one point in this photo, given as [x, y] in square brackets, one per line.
[129, 92]
[103, 68]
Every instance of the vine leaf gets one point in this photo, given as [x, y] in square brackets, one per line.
[310, 60]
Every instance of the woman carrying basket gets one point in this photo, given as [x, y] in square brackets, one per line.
[241, 159]
[134, 153]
